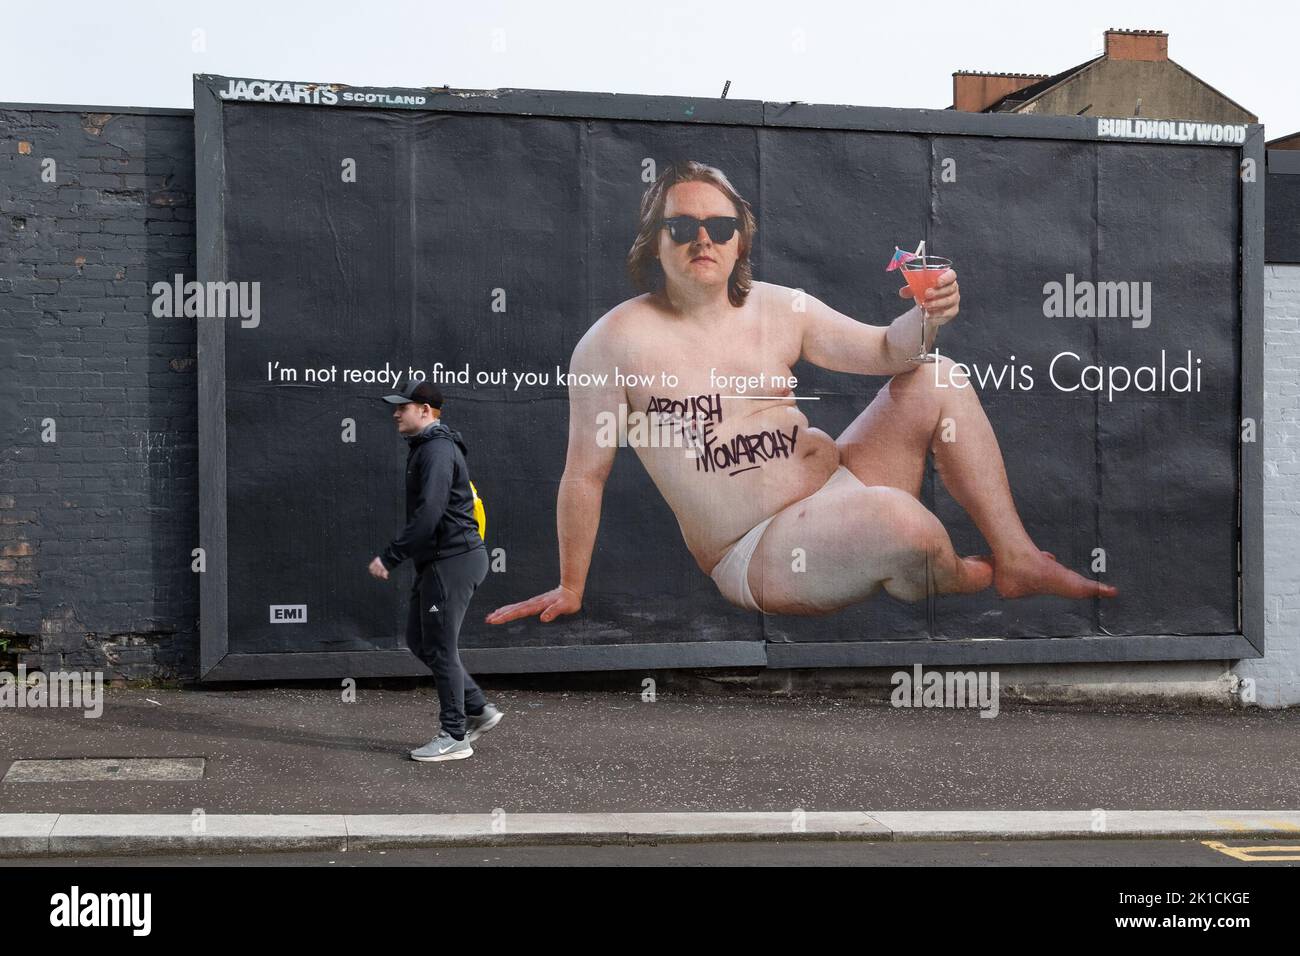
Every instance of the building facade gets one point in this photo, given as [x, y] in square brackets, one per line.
[1133, 77]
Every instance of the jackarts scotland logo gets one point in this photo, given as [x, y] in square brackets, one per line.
[265, 91]
[316, 94]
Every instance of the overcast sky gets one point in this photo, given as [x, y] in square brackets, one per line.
[142, 52]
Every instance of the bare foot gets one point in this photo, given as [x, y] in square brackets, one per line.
[974, 574]
[1042, 574]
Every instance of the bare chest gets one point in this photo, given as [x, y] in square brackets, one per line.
[696, 371]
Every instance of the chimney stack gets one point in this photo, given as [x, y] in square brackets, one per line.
[975, 92]
[1151, 45]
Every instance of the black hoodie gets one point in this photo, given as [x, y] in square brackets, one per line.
[439, 504]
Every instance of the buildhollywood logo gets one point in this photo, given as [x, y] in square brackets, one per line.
[1175, 131]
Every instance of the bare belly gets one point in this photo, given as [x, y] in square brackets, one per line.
[743, 469]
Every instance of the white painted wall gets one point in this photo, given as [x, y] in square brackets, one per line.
[1277, 674]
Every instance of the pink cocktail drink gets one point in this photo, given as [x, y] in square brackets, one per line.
[922, 273]
[921, 280]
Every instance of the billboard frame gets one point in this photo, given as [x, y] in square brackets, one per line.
[212, 94]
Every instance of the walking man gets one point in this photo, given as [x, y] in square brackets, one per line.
[442, 540]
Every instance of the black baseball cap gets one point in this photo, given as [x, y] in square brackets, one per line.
[422, 393]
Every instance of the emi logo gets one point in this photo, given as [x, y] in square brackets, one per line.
[288, 614]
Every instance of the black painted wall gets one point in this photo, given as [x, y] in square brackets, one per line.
[97, 526]
[1282, 218]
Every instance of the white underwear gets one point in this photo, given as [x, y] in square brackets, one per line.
[731, 574]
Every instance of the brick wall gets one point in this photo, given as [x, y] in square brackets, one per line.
[96, 526]
[1277, 675]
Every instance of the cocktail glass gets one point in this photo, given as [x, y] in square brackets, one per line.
[922, 274]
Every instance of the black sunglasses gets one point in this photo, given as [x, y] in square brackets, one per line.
[683, 229]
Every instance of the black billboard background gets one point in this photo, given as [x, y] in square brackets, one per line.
[398, 267]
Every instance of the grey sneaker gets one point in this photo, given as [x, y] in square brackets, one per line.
[475, 727]
[444, 747]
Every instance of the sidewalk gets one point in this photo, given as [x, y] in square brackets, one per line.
[303, 751]
[34, 834]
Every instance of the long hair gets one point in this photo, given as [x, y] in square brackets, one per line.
[643, 266]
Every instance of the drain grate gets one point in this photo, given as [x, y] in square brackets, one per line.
[99, 769]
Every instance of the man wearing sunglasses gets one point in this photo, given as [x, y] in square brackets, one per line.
[758, 484]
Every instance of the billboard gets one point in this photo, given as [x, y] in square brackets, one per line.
[668, 333]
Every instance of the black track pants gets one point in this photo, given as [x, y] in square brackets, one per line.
[439, 599]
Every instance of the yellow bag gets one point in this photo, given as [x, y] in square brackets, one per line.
[480, 513]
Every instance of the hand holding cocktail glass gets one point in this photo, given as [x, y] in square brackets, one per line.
[933, 285]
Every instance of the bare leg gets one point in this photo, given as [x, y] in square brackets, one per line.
[839, 546]
[887, 445]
